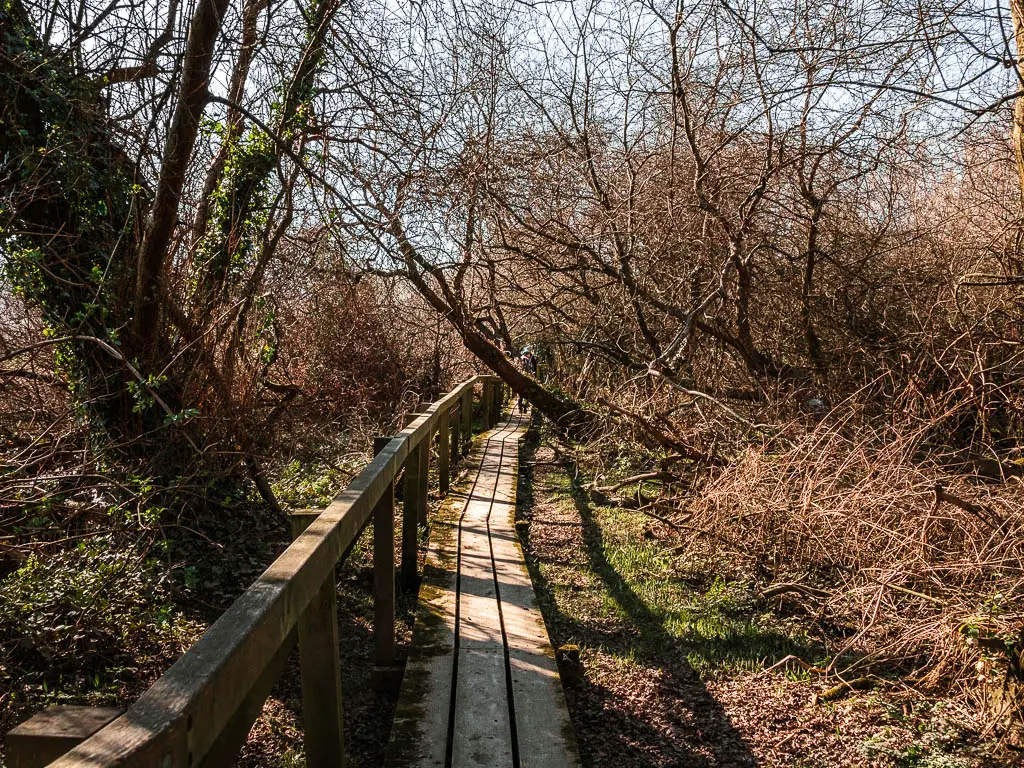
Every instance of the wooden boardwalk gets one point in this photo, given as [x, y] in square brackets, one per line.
[481, 686]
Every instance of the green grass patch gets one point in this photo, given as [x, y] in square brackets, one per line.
[309, 483]
[635, 580]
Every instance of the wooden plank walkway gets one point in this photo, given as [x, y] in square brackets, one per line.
[481, 686]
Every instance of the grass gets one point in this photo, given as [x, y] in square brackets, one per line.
[633, 578]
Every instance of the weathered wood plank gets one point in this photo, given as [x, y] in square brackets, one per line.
[411, 489]
[420, 729]
[320, 671]
[497, 401]
[485, 405]
[544, 730]
[456, 436]
[321, 680]
[419, 733]
[484, 731]
[233, 737]
[423, 491]
[49, 734]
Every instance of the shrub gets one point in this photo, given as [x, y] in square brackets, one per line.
[86, 605]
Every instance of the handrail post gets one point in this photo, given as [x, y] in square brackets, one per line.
[321, 671]
[498, 401]
[422, 494]
[467, 420]
[444, 442]
[384, 570]
[456, 421]
[411, 489]
[484, 413]
[486, 409]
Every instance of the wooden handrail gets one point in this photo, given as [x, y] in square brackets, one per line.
[200, 710]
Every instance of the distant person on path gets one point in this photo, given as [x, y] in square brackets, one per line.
[528, 361]
[528, 364]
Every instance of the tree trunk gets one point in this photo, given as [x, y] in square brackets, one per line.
[192, 97]
[567, 414]
[1017, 12]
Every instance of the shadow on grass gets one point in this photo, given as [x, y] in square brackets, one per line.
[686, 726]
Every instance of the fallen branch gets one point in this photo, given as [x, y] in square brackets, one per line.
[844, 688]
[259, 479]
[21, 373]
[791, 659]
[663, 439]
[677, 526]
[696, 393]
[981, 512]
[658, 475]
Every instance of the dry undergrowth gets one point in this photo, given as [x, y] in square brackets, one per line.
[926, 565]
[658, 688]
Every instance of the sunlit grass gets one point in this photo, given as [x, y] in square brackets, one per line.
[635, 579]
